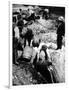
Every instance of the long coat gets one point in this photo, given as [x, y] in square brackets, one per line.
[61, 29]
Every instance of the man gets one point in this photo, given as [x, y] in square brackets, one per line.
[46, 14]
[60, 32]
[41, 52]
[42, 64]
[16, 31]
[25, 55]
[20, 23]
[28, 37]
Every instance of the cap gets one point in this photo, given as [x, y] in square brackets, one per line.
[47, 10]
[61, 18]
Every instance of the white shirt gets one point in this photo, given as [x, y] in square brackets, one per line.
[16, 30]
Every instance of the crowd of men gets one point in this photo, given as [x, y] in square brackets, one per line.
[28, 48]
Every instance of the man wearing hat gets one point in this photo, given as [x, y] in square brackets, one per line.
[60, 32]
